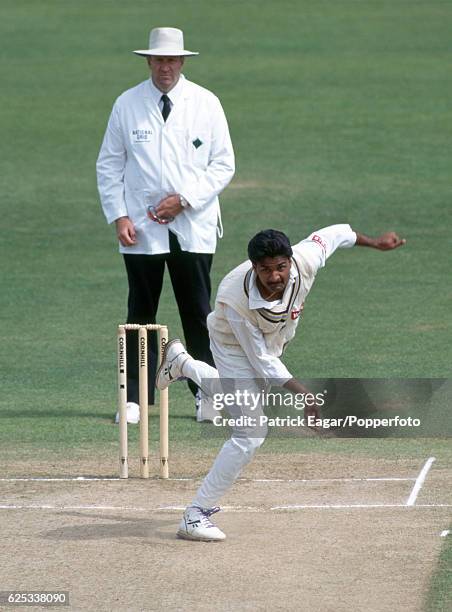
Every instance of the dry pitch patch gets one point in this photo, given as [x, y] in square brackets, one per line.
[112, 543]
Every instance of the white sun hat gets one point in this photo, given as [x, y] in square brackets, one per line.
[166, 41]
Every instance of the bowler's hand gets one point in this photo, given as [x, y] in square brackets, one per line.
[311, 409]
[389, 241]
[385, 242]
[169, 207]
[125, 231]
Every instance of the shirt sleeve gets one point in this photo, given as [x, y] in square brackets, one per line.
[322, 243]
[110, 170]
[253, 344]
[221, 166]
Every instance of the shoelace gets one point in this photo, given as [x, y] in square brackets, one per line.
[206, 514]
[210, 511]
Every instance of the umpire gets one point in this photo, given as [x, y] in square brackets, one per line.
[165, 158]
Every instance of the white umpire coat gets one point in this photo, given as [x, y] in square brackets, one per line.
[143, 159]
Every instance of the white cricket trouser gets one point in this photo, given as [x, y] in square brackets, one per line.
[240, 448]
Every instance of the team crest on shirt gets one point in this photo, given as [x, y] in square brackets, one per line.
[319, 240]
[295, 313]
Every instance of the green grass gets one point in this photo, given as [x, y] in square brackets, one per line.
[439, 598]
[338, 113]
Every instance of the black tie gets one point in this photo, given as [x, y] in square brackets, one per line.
[166, 106]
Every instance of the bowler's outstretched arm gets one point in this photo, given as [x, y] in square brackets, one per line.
[385, 242]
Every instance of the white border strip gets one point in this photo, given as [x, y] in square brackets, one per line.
[420, 481]
[445, 533]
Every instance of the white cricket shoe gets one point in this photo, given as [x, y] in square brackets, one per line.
[174, 357]
[196, 525]
[133, 413]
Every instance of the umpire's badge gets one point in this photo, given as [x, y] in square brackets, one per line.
[197, 143]
[139, 136]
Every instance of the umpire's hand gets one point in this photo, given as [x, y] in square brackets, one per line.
[125, 231]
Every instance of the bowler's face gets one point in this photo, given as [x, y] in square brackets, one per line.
[165, 71]
[272, 276]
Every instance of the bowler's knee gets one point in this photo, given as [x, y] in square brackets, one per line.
[248, 445]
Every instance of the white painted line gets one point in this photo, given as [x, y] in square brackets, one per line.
[44, 479]
[57, 507]
[420, 481]
[335, 506]
[383, 479]
[171, 507]
[224, 508]
[85, 479]
[257, 480]
[350, 506]
[445, 533]
[307, 480]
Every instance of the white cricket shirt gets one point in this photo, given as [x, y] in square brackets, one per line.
[317, 247]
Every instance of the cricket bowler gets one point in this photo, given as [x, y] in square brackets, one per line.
[257, 311]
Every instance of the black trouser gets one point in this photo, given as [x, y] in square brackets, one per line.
[190, 278]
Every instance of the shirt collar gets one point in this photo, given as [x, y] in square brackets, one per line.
[173, 95]
[255, 299]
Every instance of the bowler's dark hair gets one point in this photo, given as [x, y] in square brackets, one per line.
[269, 243]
